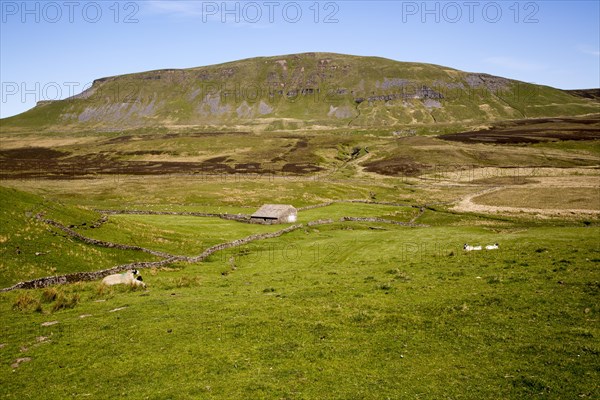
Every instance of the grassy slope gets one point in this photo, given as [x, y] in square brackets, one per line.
[20, 231]
[223, 195]
[337, 314]
[576, 198]
[179, 235]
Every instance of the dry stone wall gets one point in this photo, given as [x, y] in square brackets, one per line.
[84, 276]
[90, 276]
[169, 258]
[100, 243]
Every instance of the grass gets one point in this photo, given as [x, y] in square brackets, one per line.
[26, 302]
[336, 211]
[338, 311]
[577, 147]
[56, 299]
[31, 249]
[189, 193]
[179, 235]
[570, 198]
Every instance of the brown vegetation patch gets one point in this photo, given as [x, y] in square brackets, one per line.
[593, 94]
[129, 138]
[301, 168]
[248, 167]
[207, 134]
[300, 144]
[120, 139]
[504, 180]
[144, 152]
[216, 160]
[196, 134]
[397, 166]
[533, 131]
[32, 153]
[85, 166]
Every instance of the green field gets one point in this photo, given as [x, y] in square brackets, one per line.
[342, 310]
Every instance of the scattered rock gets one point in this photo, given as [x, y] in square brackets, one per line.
[41, 339]
[85, 315]
[49, 323]
[19, 361]
[2, 345]
[118, 309]
[430, 103]
[264, 108]
[389, 83]
[340, 112]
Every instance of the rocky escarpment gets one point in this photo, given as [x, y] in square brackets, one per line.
[298, 91]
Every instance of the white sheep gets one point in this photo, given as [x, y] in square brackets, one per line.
[466, 247]
[492, 246]
[127, 278]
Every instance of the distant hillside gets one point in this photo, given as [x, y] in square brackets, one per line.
[593, 94]
[299, 91]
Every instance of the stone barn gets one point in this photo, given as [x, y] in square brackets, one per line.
[275, 214]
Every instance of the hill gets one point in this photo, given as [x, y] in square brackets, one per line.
[309, 90]
[593, 94]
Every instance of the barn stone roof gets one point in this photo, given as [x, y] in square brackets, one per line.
[273, 211]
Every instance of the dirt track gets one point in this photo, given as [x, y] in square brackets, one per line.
[467, 204]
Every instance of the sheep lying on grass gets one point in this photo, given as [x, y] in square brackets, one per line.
[127, 278]
[467, 247]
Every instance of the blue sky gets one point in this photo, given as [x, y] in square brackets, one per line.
[53, 49]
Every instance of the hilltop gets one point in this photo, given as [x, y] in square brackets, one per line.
[299, 91]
